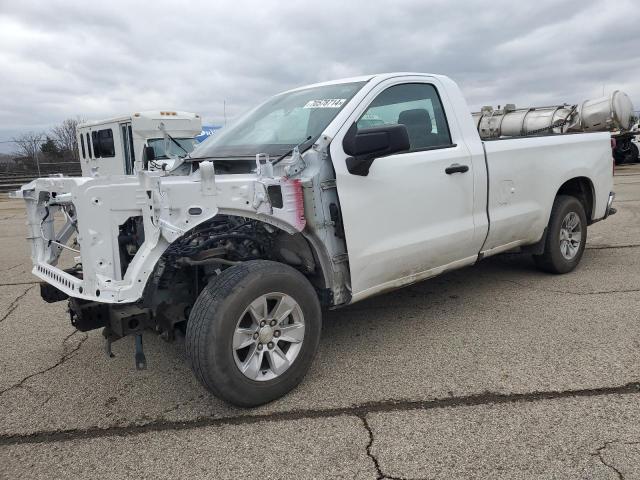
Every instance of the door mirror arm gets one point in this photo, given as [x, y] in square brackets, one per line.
[365, 145]
[359, 165]
[149, 155]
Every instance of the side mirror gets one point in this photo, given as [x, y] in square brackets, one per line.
[367, 144]
[149, 154]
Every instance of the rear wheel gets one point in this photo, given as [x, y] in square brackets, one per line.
[253, 332]
[566, 236]
[634, 155]
[628, 155]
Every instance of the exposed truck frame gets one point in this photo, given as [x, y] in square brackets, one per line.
[392, 186]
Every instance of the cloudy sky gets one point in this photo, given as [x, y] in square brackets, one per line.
[97, 59]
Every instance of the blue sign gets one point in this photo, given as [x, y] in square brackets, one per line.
[207, 131]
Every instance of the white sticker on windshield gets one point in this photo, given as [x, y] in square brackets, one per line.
[325, 103]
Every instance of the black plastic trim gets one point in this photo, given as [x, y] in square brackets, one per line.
[435, 147]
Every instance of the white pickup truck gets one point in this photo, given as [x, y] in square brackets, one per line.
[321, 196]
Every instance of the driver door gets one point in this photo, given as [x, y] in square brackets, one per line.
[408, 219]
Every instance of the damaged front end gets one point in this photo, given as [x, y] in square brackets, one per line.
[134, 252]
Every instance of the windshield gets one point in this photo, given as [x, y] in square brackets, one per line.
[174, 150]
[280, 123]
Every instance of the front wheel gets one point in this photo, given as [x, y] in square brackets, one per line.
[566, 236]
[253, 332]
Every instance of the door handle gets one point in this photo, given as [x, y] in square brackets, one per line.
[456, 168]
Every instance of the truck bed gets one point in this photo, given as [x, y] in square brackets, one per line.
[524, 178]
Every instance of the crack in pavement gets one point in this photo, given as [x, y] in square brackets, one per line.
[358, 410]
[608, 465]
[18, 283]
[612, 247]
[178, 405]
[566, 292]
[599, 453]
[12, 267]
[376, 464]
[602, 460]
[65, 356]
[14, 304]
[13, 236]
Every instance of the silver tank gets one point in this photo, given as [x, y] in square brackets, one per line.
[612, 112]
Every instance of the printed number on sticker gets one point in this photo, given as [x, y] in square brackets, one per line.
[325, 103]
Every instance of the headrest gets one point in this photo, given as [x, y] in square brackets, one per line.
[417, 116]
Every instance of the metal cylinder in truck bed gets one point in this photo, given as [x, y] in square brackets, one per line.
[601, 114]
[606, 113]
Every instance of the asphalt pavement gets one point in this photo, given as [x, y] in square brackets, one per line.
[492, 371]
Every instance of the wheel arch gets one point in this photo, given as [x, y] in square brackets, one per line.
[583, 189]
[298, 249]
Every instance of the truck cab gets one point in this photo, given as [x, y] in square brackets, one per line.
[113, 146]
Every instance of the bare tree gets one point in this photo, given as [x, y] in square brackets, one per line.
[28, 145]
[65, 136]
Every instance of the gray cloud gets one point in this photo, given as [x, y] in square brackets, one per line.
[94, 60]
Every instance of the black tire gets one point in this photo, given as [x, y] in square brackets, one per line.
[629, 155]
[618, 158]
[214, 318]
[552, 259]
[633, 154]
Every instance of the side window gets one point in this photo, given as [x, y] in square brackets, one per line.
[414, 105]
[95, 141]
[82, 145]
[103, 145]
[107, 147]
[88, 145]
[131, 150]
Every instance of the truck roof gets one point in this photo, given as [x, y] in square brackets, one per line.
[366, 78]
[148, 115]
